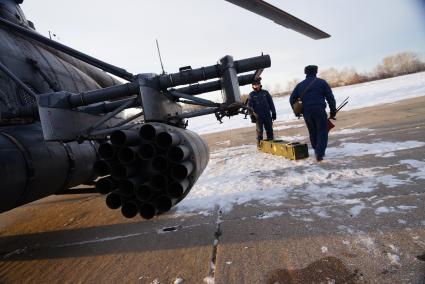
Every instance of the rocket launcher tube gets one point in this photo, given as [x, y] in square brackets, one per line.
[210, 72]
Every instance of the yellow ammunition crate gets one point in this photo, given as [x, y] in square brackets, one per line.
[289, 150]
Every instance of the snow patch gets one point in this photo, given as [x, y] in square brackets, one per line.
[377, 148]
[356, 210]
[386, 155]
[294, 138]
[209, 280]
[381, 210]
[397, 209]
[345, 229]
[389, 181]
[321, 212]
[304, 219]
[270, 214]
[283, 127]
[367, 242]
[393, 248]
[394, 259]
[419, 166]
[406, 207]
[346, 131]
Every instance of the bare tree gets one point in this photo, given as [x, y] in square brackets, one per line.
[349, 76]
[409, 62]
[290, 86]
[332, 76]
[277, 89]
[266, 87]
[400, 64]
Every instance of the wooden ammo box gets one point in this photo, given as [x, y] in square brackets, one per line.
[289, 150]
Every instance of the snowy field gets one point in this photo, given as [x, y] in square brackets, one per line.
[361, 95]
[232, 176]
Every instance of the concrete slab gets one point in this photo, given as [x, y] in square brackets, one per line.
[300, 239]
[328, 242]
[77, 239]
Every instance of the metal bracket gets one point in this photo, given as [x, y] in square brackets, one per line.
[157, 106]
[68, 125]
[229, 81]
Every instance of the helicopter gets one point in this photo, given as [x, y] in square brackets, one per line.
[60, 122]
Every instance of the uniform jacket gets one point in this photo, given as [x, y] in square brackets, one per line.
[262, 103]
[316, 94]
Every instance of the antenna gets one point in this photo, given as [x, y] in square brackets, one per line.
[159, 54]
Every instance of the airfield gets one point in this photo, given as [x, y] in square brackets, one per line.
[357, 217]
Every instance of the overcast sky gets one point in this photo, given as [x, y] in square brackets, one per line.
[199, 32]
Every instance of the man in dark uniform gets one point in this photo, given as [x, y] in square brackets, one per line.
[262, 104]
[313, 92]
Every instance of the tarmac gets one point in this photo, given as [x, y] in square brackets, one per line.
[76, 239]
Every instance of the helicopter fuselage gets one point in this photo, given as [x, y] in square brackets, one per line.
[30, 167]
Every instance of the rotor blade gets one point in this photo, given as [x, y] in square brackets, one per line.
[280, 17]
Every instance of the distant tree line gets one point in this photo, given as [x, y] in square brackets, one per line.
[395, 65]
[400, 64]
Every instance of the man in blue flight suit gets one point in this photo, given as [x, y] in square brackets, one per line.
[262, 104]
[313, 92]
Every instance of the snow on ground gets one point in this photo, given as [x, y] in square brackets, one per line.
[283, 127]
[366, 241]
[232, 177]
[346, 131]
[270, 214]
[360, 149]
[418, 166]
[357, 209]
[242, 175]
[361, 95]
[394, 259]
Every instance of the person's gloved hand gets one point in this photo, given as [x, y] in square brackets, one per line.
[273, 116]
[332, 115]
